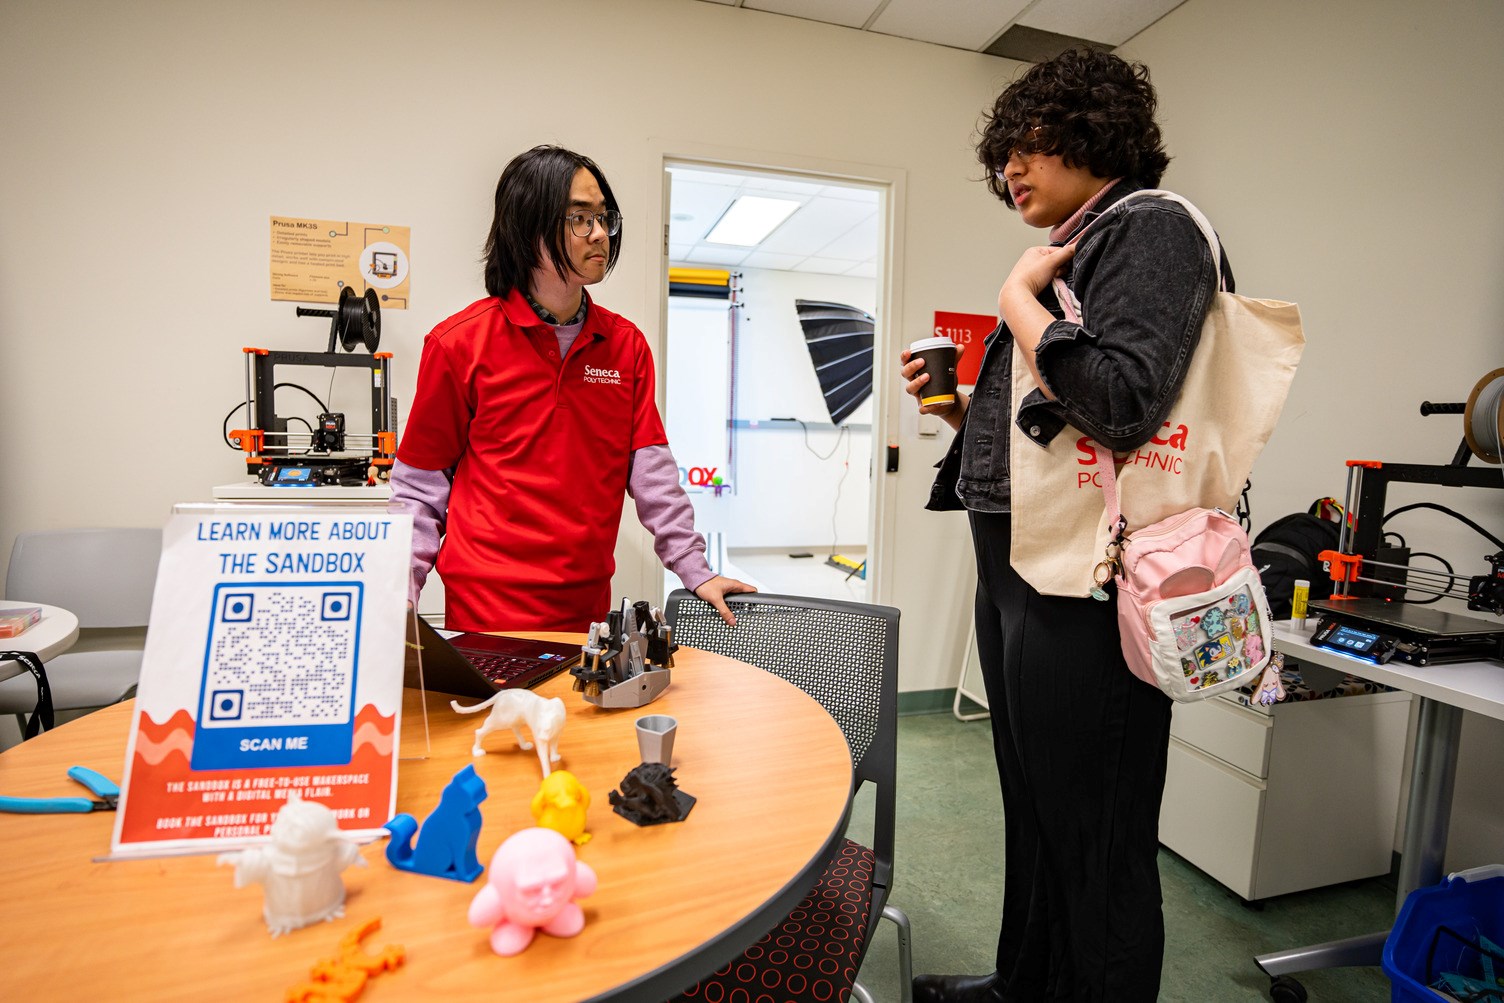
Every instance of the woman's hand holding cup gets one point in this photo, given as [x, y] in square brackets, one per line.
[936, 392]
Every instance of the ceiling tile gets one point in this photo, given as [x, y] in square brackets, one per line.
[779, 186]
[865, 270]
[703, 204]
[708, 175]
[868, 195]
[965, 24]
[1112, 22]
[829, 266]
[678, 252]
[767, 259]
[857, 244]
[814, 223]
[851, 13]
[716, 254]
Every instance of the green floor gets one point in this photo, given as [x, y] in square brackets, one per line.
[948, 866]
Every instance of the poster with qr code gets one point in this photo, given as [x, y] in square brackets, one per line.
[273, 665]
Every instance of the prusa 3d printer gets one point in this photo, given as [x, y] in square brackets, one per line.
[327, 453]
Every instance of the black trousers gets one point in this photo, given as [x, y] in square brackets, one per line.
[1081, 746]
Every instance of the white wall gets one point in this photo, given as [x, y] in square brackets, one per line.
[783, 494]
[1348, 153]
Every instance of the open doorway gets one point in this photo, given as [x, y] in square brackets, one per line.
[771, 315]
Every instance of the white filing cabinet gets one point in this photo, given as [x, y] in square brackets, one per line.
[1280, 799]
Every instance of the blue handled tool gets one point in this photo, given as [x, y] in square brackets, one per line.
[101, 785]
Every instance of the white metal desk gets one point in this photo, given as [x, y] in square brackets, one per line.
[49, 636]
[1445, 691]
[255, 491]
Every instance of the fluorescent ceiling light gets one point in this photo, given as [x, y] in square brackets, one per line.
[750, 219]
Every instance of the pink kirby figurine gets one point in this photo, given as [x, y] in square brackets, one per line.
[532, 883]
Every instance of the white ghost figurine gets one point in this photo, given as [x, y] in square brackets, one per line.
[300, 869]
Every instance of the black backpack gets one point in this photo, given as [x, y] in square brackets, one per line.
[1286, 550]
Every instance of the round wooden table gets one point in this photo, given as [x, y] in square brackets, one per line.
[769, 767]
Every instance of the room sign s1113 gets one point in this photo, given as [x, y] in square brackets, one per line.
[967, 330]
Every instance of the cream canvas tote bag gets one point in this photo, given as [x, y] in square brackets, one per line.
[1235, 388]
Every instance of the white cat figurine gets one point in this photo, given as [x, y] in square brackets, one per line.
[512, 709]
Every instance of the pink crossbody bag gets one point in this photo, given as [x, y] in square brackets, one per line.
[1192, 616]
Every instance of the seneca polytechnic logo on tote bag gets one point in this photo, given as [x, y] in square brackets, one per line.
[1235, 388]
[1165, 451]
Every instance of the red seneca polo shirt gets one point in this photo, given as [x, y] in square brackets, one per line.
[541, 449]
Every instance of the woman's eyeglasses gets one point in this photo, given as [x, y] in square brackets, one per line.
[582, 223]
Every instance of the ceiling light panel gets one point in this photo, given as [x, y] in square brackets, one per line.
[1111, 22]
[749, 219]
[851, 13]
[964, 24]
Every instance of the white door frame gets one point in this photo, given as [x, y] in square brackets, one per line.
[890, 183]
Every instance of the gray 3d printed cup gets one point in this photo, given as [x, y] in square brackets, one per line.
[939, 355]
[655, 738]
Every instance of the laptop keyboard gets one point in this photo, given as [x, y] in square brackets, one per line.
[500, 669]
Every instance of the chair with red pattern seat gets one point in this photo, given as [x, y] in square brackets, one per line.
[844, 655]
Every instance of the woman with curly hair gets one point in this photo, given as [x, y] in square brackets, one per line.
[1080, 742]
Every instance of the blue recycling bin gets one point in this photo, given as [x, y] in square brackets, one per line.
[1438, 931]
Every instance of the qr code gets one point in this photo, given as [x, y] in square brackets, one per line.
[281, 654]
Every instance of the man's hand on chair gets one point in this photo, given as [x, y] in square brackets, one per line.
[715, 591]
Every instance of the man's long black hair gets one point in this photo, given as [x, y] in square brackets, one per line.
[532, 199]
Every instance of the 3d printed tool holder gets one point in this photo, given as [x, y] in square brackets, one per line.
[627, 658]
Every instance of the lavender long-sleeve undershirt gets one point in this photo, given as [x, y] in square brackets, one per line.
[653, 482]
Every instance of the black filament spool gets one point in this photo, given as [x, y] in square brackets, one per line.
[356, 321]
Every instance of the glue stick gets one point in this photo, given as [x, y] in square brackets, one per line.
[1298, 602]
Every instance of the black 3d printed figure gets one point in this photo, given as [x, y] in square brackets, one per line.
[650, 795]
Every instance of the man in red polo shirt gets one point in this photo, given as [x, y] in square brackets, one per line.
[534, 415]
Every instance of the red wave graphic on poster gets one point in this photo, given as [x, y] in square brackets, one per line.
[155, 742]
[167, 799]
[370, 735]
[155, 752]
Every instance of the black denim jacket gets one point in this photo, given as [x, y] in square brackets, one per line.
[1145, 279]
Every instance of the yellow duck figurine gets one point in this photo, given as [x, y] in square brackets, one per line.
[560, 805]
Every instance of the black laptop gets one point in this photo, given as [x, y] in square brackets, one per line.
[477, 665]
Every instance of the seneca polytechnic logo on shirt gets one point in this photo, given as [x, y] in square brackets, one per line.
[594, 375]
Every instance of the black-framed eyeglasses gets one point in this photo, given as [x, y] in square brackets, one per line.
[582, 223]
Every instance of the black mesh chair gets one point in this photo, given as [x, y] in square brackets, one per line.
[844, 655]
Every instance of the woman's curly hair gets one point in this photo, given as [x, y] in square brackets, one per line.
[1092, 108]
